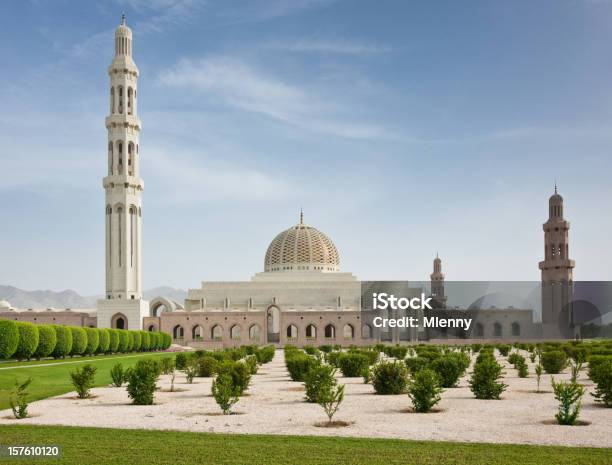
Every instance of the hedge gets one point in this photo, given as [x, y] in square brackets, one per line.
[47, 338]
[9, 338]
[137, 336]
[146, 341]
[123, 340]
[64, 341]
[104, 344]
[79, 340]
[114, 340]
[93, 340]
[28, 340]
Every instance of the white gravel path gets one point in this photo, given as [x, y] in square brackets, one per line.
[274, 405]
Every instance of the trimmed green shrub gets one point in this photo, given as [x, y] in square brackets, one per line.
[118, 374]
[114, 340]
[123, 340]
[9, 338]
[225, 392]
[514, 357]
[333, 358]
[300, 364]
[554, 361]
[504, 349]
[137, 336]
[146, 341]
[424, 390]
[265, 354]
[389, 377]
[326, 348]
[449, 369]
[180, 361]
[155, 340]
[130, 342]
[311, 350]
[251, 363]
[569, 396]
[484, 382]
[415, 364]
[83, 380]
[353, 365]
[46, 341]
[63, 345]
[28, 340]
[142, 382]
[239, 373]
[603, 390]
[317, 379]
[166, 341]
[206, 366]
[595, 363]
[79, 340]
[93, 340]
[104, 340]
[166, 365]
[521, 366]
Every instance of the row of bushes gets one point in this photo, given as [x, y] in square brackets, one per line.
[23, 340]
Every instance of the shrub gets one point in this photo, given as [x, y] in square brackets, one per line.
[333, 358]
[317, 379]
[575, 370]
[156, 340]
[311, 350]
[265, 354]
[603, 390]
[63, 345]
[300, 364]
[251, 363]
[449, 369]
[118, 375]
[326, 348]
[521, 366]
[166, 341]
[415, 364]
[93, 340]
[83, 380]
[424, 390]
[180, 361]
[206, 366]
[554, 361]
[46, 341]
[504, 349]
[485, 354]
[166, 365]
[239, 372]
[142, 381]
[9, 338]
[476, 348]
[19, 399]
[538, 371]
[595, 363]
[79, 340]
[389, 378]
[568, 395]
[330, 397]
[104, 343]
[145, 341]
[514, 357]
[28, 340]
[484, 382]
[396, 351]
[191, 369]
[123, 340]
[114, 340]
[225, 392]
[130, 341]
[353, 365]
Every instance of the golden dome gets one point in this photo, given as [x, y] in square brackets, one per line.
[302, 248]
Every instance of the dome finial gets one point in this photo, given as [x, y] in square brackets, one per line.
[123, 19]
[301, 216]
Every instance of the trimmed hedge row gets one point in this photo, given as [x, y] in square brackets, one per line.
[23, 340]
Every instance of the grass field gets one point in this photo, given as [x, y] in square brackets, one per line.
[81, 446]
[53, 377]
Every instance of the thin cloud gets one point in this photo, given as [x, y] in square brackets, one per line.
[336, 46]
[244, 88]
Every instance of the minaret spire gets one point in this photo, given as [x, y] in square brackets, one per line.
[123, 19]
[301, 216]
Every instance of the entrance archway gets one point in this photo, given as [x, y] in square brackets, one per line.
[273, 323]
[119, 321]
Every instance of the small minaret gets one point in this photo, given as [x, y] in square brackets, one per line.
[557, 270]
[437, 283]
[123, 305]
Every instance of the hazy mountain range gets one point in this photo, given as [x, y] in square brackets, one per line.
[19, 298]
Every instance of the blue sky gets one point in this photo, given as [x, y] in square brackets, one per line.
[402, 128]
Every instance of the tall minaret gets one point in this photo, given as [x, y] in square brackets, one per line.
[437, 283]
[557, 272]
[123, 305]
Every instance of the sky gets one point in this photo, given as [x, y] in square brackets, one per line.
[402, 128]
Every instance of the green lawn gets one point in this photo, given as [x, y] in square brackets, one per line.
[53, 378]
[81, 446]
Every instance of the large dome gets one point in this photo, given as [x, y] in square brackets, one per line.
[302, 248]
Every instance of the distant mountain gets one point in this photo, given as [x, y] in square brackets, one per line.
[19, 298]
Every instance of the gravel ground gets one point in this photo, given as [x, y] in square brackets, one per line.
[274, 405]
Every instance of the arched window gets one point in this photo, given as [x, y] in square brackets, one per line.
[110, 158]
[366, 331]
[348, 331]
[151, 328]
[330, 331]
[516, 329]
[112, 100]
[497, 330]
[292, 332]
[216, 333]
[178, 332]
[119, 157]
[311, 331]
[120, 99]
[479, 330]
[120, 225]
[235, 332]
[120, 323]
[130, 102]
[131, 159]
[197, 333]
[254, 332]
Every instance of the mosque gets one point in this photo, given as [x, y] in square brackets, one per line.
[301, 297]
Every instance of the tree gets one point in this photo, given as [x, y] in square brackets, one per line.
[330, 397]
[224, 392]
[19, 399]
[569, 396]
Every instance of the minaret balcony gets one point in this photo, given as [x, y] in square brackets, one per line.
[121, 119]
